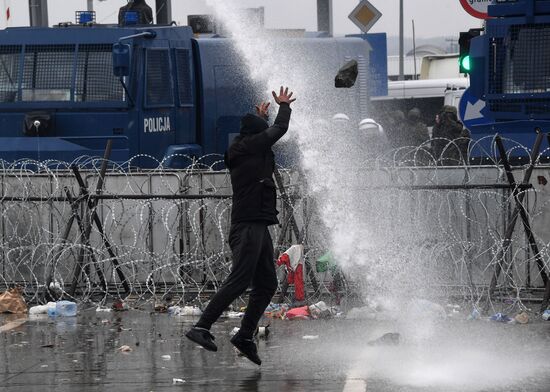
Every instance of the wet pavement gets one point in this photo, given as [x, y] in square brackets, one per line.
[82, 354]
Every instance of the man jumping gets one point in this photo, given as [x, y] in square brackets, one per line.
[251, 164]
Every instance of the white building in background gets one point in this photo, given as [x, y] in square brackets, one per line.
[428, 62]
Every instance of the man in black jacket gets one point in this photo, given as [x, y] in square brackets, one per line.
[145, 13]
[251, 163]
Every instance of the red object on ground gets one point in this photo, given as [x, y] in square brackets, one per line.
[298, 313]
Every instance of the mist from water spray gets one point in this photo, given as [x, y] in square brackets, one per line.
[331, 156]
[386, 239]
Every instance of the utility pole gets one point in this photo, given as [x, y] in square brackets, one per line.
[401, 44]
[324, 16]
[164, 11]
[38, 13]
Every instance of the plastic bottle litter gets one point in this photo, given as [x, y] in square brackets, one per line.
[320, 310]
[177, 381]
[62, 309]
[546, 315]
[41, 309]
[184, 311]
[310, 337]
[100, 309]
[166, 357]
[475, 315]
[501, 318]
[263, 332]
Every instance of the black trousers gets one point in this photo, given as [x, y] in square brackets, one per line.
[253, 265]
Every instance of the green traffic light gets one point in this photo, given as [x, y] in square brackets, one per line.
[466, 64]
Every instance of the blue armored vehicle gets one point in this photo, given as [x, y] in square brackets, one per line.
[510, 74]
[158, 92]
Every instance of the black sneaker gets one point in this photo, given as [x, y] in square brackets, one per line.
[202, 337]
[247, 347]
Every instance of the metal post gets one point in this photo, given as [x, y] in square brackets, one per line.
[324, 16]
[401, 44]
[414, 52]
[164, 12]
[90, 5]
[38, 13]
[519, 210]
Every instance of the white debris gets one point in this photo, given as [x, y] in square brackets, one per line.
[310, 337]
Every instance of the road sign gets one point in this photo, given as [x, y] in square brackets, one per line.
[472, 110]
[477, 8]
[365, 16]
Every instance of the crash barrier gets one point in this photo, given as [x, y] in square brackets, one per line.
[68, 230]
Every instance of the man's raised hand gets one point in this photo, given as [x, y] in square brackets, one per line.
[284, 96]
[262, 110]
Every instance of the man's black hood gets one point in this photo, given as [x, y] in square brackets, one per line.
[252, 124]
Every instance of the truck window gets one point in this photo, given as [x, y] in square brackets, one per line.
[159, 83]
[58, 73]
[529, 68]
[95, 80]
[183, 63]
[47, 73]
[9, 72]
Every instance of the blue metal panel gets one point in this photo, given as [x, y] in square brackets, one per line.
[227, 92]
[378, 63]
[64, 149]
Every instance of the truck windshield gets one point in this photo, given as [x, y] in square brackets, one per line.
[528, 60]
[77, 73]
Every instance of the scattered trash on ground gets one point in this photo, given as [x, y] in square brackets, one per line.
[475, 315]
[178, 381]
[388, 339]
[12, 301]
[298, 313]
[62, 309]
[232, 314]
[522, 318]
[41, 309]
[119, 306]
[125, 349]
[166, 357]
[320, 310]
[546, 315]
[102, 309]
[184, 311]
[276, 311]
[501, 318]
[12, 324]
[262, 332]
[310, 337]
[161, 307]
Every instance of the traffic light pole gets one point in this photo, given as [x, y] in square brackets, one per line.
[401, 43]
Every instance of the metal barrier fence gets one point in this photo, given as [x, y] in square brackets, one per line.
[163, 233]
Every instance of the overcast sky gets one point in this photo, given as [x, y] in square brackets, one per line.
[432, 17]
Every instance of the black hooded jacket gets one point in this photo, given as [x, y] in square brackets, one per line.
[251, 163]
[140, 6]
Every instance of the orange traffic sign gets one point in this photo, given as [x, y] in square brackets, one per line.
[365, 15]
